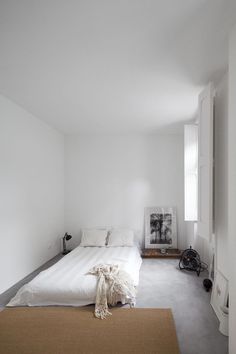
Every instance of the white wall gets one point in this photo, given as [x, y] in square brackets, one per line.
[221, 175]
[232, 190]
[31, 190]
[110, 179]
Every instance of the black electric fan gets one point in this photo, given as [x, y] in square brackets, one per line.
[190, 260]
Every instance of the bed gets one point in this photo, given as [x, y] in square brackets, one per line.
[68, 283]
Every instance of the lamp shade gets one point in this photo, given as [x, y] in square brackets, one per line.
[67, 237]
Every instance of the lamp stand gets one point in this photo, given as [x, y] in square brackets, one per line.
[65, 238]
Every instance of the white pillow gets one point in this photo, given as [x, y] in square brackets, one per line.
[94, 237]
[121, 237]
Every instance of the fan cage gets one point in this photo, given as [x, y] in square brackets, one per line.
[190, 260]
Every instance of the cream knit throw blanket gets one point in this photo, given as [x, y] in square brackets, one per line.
[113, 285]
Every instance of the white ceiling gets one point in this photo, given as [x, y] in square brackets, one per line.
[112, 66]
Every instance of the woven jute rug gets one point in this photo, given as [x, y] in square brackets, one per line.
[67, 330]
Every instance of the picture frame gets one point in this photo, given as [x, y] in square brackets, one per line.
[160, 227]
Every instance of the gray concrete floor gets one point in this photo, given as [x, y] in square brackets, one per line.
[163, 285]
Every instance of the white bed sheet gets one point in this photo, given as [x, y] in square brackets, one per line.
[67, 282]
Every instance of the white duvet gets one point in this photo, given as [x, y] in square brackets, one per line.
[67, 281]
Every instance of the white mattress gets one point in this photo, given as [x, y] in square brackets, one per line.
[66, 282]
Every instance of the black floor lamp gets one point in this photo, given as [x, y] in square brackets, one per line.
[66, 238]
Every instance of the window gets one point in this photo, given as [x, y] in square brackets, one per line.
[191, 172]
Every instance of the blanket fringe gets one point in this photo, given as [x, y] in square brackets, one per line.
[102, 312]
[113, 285]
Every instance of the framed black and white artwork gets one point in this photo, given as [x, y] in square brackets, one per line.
[160, 227]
